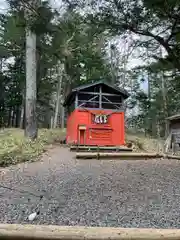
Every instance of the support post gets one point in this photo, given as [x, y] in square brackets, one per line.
[100, 97]
[76, 100]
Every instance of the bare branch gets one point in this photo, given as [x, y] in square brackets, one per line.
[71, 38]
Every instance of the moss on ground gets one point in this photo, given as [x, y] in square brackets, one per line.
[15, 148]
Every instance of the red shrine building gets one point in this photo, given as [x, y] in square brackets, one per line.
[96, 115]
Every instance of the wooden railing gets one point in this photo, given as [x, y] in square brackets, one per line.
[11, 231]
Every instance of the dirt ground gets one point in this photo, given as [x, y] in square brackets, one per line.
[92, 192]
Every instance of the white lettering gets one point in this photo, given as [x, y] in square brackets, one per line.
[102, 119]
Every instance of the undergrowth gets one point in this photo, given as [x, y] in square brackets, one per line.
[146, 144]
[15, 148]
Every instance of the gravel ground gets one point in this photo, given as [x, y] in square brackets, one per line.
[92, 193]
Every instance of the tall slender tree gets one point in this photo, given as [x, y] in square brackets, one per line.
[31, 128]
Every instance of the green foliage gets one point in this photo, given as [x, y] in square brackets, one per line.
[140, 142]
[156, 104]
[79, 50]
[78, 41]
[67, 37]
[16, 149]
[157, 25]
[158, 21]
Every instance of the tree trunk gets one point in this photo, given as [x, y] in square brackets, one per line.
[31, 129]
[9, 117]
[62, 116]
[164, 95]
[59, 89]
[12, 114]
[17, 116]
[14, 117]
[112, 57]
[149, 117]
[21, 123]
[52, 121]
[165, 108]
[158, 135]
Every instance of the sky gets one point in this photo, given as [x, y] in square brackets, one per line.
[3, 5]
[54, 3]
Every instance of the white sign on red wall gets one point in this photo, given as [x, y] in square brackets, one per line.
[101, 119]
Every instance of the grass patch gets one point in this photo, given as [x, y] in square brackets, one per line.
[147, 144]
[15, 148]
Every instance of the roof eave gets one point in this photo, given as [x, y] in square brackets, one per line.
[78, 89]
[175, 117]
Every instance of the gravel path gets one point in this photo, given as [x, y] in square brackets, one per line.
[92, 193]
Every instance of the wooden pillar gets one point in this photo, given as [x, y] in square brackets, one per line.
[76, 100]
[100, 97]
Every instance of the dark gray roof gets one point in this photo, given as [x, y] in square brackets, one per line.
[177, 116]
[115, 89]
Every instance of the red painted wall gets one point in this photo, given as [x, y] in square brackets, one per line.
[111, 134]
[71, 131]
